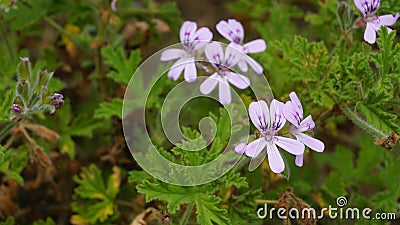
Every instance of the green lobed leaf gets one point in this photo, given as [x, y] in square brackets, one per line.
[173, 195]
[108, 109]
[123, 66]
[208, 212]
[97, 197]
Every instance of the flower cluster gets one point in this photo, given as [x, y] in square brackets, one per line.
[269, 121]
[196, 41]
[373, 22]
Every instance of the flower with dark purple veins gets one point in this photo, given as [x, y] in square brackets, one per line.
[368, 8]
[223, 75]
[293, 112]
[233, 31]
[268, 122]
[191, 40]
[16, 108]
[57, 100]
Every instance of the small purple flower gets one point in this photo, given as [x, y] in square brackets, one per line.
[293, 112]
[368, 8]
[223, 75]
[16, 108]
[191, 40]
[24, 59]
[233, 31]
[57, 100]
[269, 122]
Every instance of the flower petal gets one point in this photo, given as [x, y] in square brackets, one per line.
[259, 115]
[254, 148]
[292, 146]
[224, 91]
[258, 69]
[388, 20]
[278, 120]
[311, 142]
[202, 37]
[240, 148]
[242, 65]
[290, 113]
[172, 53]
[238, 80]
[188, 30]
[275, 159]
[190, 71]
[307, 124]
[299, 160]
[224, 30]
[299, 108]
[370, 34]
[214, 53]
[176, 70]
[359, 5]
[233, 55]
[255, 46]
[209, 84]
[232, 30]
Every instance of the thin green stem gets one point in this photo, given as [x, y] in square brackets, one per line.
[186, 216]
[100, 73]
[4, 35]
[360, 122]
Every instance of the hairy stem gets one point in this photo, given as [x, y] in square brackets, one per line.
[360, 122]
[186, 216]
